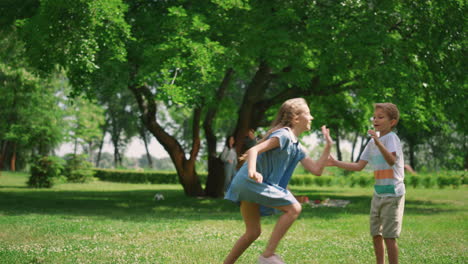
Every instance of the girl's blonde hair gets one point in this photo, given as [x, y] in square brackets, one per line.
[288, 111]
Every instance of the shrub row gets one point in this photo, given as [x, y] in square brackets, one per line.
[132, 176]
[361, 179]
[46, 171]
[365, 179]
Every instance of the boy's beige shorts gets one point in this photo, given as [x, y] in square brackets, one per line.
[386, 216]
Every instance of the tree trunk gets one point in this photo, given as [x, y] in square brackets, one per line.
[412, 157]
[13, 158]
[3, 154]
[76, 146]
[363, 146]
[354, 146]
[117, 157]
[215, 181]
[148, 155]
[145, 141]
[466, 152]
[185, 167]
[101, 144]
[254, 93]
[115, 132]
[338, 149]
[90, 151]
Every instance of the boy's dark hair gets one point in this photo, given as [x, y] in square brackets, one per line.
[390, 109]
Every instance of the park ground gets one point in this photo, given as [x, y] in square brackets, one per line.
[103, 222]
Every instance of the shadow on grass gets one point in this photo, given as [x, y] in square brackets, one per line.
[361, 205]
[139, 205]
[13, 186]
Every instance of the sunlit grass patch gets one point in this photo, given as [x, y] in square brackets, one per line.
[103, 222]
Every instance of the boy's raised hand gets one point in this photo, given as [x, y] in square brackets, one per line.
[373, 134]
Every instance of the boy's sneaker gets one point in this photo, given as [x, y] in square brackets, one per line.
[274, 259]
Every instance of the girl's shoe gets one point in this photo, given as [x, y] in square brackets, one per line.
[274, 259]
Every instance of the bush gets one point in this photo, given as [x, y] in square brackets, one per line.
[308, 179]
[413, 180]
[45, 172]
[362, 179]
[323, 181]
[78, 169]
[453, 181]
[132, 176]
[428, 181]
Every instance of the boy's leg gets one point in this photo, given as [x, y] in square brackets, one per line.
[379, 249]
[376, 229]
[251, 214]
[291, 212]
[392, 222]
[392, 250]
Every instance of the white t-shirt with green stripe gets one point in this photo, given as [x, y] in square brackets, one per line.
[388, 179]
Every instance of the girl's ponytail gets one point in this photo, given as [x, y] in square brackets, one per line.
[287, 113]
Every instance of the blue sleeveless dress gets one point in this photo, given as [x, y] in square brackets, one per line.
[276, 166]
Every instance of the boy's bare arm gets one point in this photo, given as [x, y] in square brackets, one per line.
[390, 157]
[351, 166]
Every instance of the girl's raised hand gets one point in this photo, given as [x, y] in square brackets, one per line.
[326, 134]
[330, 161]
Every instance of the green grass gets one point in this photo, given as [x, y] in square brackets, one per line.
[103, 222]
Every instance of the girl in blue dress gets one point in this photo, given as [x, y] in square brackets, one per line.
[260, 184]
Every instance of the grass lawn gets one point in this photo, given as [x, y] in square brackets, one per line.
[104, 222]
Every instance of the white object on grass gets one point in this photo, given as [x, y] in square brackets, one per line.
[158, 197]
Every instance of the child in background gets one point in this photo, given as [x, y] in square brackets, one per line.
[250, 140]
[229, 157]
[260, 184]
[385, 154]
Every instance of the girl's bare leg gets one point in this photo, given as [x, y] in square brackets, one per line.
[251, 214]
[291, 212]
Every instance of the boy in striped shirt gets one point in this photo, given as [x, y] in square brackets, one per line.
[385, 154]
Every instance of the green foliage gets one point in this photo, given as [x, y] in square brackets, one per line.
[82, 34]
[343, 55]
[78, 169]
[451, 181]
[45, 172]
[413, 180]
[122, 120]
[33, 119]
[442, 179]
[85, 120]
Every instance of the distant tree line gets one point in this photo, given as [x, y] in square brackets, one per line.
[190, 73]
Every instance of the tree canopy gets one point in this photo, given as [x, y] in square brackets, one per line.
[224, 65]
